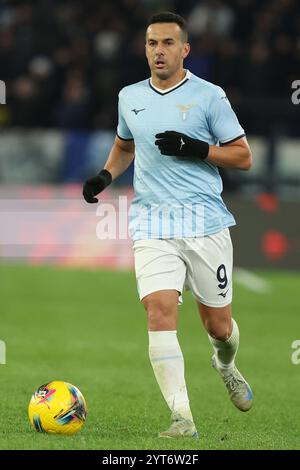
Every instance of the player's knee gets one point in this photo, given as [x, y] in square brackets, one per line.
[159, 310]
[161, 313]
[219, 330]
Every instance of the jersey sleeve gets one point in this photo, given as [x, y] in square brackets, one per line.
[123, 131]
[224, 124]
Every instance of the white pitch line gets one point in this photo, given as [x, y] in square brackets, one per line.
[251, 281]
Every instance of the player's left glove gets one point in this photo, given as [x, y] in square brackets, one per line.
[182, 146]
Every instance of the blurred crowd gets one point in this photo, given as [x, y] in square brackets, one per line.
[65, 61]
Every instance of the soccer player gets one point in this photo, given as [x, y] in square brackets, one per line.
[179, 129]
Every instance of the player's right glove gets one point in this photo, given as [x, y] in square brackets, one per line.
[181, 146]
[96, 185]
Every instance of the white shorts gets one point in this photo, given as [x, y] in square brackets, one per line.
[203, 265]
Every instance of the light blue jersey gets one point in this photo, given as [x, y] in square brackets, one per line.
[176, 199]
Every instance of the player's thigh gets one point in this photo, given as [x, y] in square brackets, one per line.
[158, 267]
[209, 273]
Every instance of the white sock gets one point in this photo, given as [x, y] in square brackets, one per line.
[225, 351]
[168, 366]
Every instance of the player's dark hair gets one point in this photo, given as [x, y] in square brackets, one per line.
[168, 17]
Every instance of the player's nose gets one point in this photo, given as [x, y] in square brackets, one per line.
[160, 51]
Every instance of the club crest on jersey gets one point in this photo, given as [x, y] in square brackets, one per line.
[184, 109]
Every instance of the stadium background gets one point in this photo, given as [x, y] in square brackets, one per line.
[63, 63]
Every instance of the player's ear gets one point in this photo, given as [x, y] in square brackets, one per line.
[186, 50]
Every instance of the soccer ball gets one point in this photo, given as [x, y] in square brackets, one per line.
[58, 408]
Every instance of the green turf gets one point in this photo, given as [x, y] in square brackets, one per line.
[88, 328]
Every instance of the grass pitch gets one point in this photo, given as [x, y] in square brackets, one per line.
[89, 328]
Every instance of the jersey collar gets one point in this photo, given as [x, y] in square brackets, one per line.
[168, 90]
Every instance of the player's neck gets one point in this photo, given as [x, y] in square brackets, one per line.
[170, 82]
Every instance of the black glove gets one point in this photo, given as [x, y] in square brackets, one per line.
[95, 185]
[181, 146]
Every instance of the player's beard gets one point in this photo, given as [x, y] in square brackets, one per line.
[163, 74]
[167, 72]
